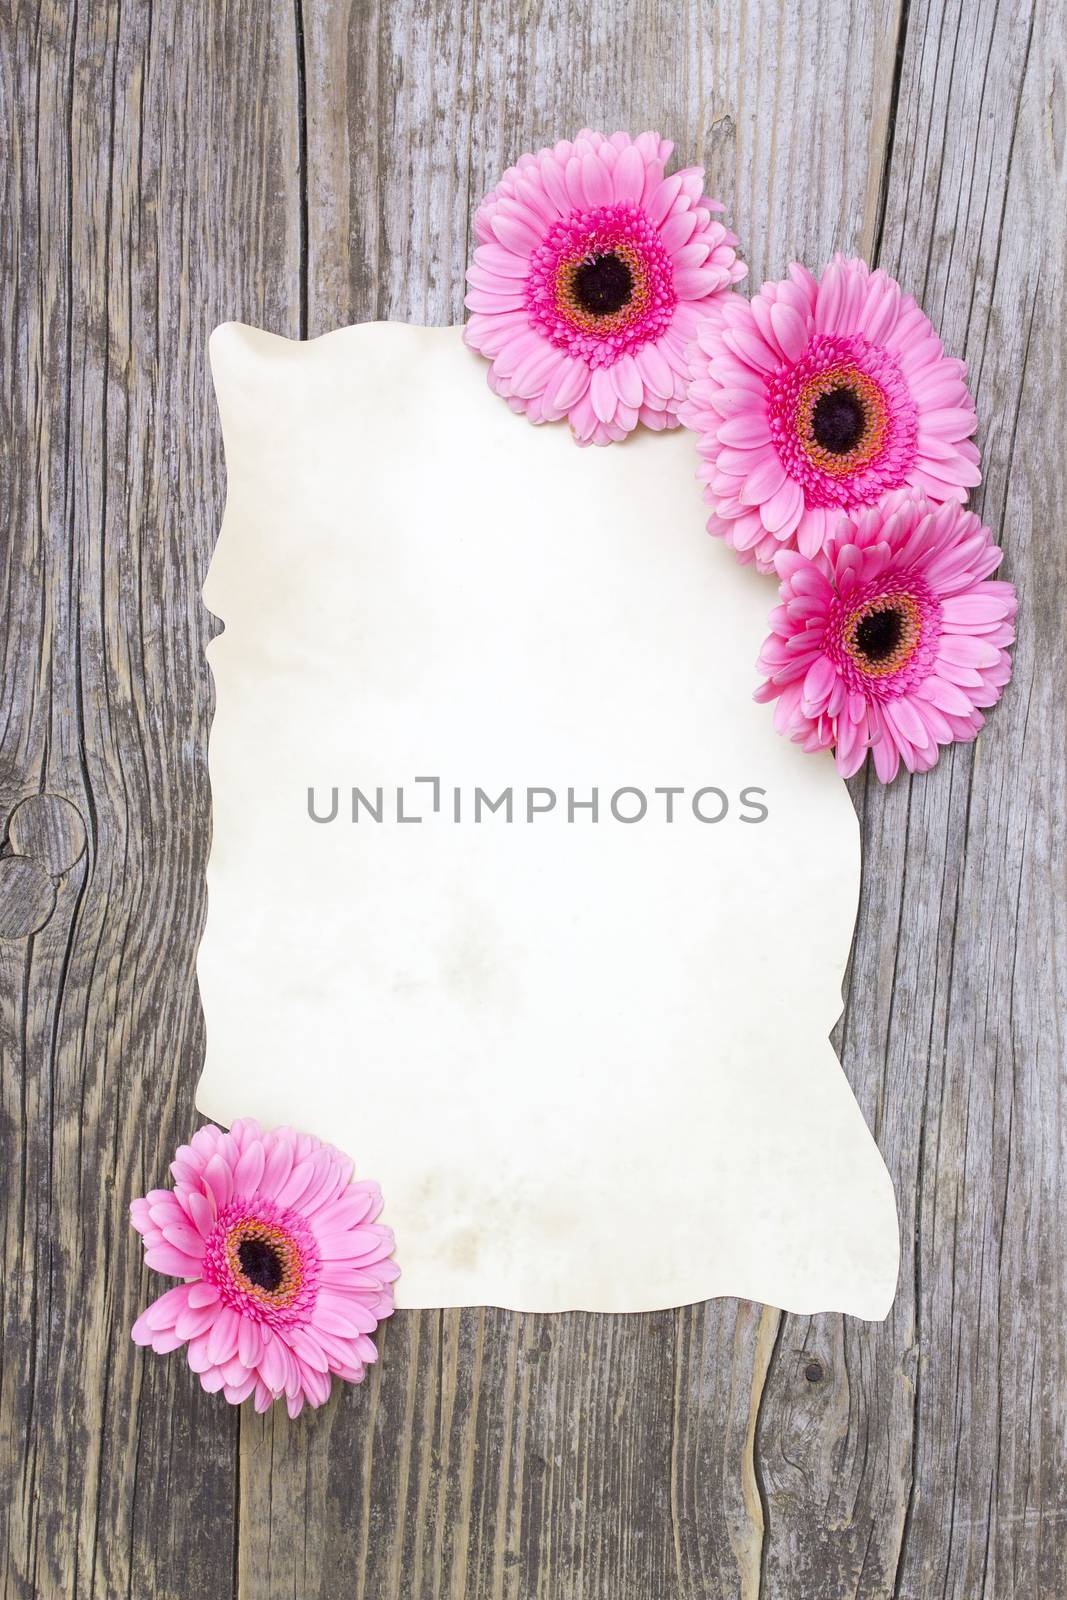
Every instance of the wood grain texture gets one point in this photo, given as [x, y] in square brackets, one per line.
[306, 164]
[146, 197]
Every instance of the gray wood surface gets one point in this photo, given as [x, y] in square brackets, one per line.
[174, 163]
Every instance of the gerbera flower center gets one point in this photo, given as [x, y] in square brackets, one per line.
[602, 285]
[838, 420]
[263, 1260]
[842, 421]
[260, 1263]
[882, 636]
[878, 635]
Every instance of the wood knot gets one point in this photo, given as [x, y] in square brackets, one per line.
[45, 837]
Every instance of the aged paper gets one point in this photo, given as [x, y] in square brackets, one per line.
[586, 1057]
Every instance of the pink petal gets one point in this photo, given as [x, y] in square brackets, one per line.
[141, 1333]
[602, 394]
[963, 650]
[492, 335]
[567, 386]
[750, 347]
[347, 1211]
[297, 1183]
[166, 1340]
[479, 277]
[333, 1313]
[555, 185]
[201, 1209]
[316, 1388]
[175, 1263]
[907, 721]
[572, 174]
[323, 1185]
[851, 751]
[812, 531]
[195, 1320]
[764, 480]
[881, 308]
[501, 261]
[657, 204]
[219, 1179]
[197, 1355]
[516, 234]
[739, 463]
[947, 697]
[518, 348]
[628, 178]
[654, 369]
[222, 1338]
[531, 376]
[272, 1364]
[628, 380]
[530, 193]
[791, 330]
[952, 422]
[674, 234]
[954, 470]
[249, 1169]
[249, 1341]
[583, 419]
[693, 283]
[819, 681]
[728, 402]
[351, 1245]
[164, 1312]
[596, 181]
[886, 759]
[747, 430]
[492, 303]
[186, 1239]
[781, 512]
[202, 1293]
[975, 608]
[236, 1393]
[305, 1346]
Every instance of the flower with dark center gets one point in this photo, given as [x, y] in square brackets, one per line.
[286, 1272]
[821, 396]
[592, 273]
[893, 639]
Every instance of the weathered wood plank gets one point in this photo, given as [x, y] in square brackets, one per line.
[931, 1459]
[148, 195]
[414, 110]
[537, 1458]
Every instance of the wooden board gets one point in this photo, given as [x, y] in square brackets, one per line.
[308, 164]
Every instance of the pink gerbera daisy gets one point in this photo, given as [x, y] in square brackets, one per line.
[819, 396]
[591, 275]
[892, 638]
[287, 1273]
